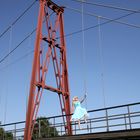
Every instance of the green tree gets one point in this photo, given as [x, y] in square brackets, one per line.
[5, 135]
[1, 133]
[43, 129]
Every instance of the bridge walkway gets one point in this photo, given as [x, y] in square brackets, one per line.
[114, 135]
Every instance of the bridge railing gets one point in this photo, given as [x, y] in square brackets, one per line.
[123, 117]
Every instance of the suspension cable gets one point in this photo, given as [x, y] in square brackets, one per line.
[18, 59]
[0, 100]
[27, 86]
[105, 18]
[107, 6]
[101, 62]
[95, 26]
[69, 34]
[17, 19]
[84, 55]
[7, 89]
[9, 53]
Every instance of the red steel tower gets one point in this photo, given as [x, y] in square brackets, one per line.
[56, 52]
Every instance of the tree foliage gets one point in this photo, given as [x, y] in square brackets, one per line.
[43, 129]
[5, 135]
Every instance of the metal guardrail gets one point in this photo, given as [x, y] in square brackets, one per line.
[123, 117]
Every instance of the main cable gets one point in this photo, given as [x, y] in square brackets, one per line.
[103, 17]
[20, 43]
[107, 6]
[18, 59]
[66, 35]
[91, 27]
[17, 46]
[17, 19]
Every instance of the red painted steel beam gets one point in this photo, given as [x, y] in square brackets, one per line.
[65, 74]
[57, 54]
[50, 88]
[29, 115]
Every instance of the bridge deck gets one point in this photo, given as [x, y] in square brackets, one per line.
[117, 123]
[115, 135]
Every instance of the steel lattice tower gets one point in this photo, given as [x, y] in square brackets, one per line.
[56, 52]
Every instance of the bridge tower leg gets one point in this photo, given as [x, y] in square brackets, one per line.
[56, 52]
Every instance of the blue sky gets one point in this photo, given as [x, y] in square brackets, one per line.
[120, 57]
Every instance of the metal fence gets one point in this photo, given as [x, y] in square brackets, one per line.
[123, 117]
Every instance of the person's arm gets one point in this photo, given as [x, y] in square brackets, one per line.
[81, 101]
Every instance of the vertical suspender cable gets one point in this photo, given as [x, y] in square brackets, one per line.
[7, 90]
[84, 55]
[0, 99]
[101, 62]
[27, 87]
[0, 102]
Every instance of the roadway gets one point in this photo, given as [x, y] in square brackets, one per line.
[133, 134]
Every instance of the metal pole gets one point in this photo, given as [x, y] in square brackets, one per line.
[107, 124]
[129, 117]
[39, 129]
[75, 127]
[125, 121]
[54, 125]
[15, 132]
[90, 127]
[61, 129]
